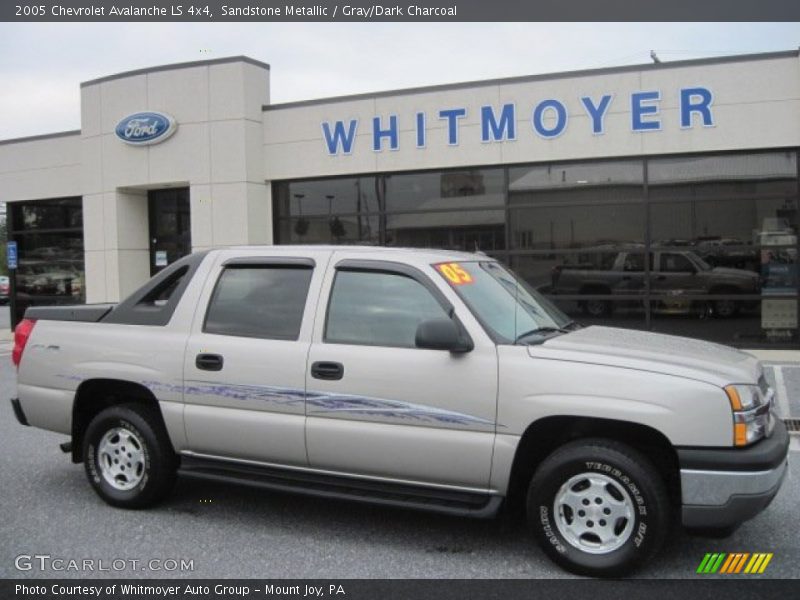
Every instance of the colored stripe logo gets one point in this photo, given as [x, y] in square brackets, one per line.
[734, 563]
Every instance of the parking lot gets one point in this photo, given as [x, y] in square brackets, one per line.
[48, 508]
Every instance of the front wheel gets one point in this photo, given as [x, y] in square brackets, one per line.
[597, 308]
[598, 508]
[129, 459]
[725, 309]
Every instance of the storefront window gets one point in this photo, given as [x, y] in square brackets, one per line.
[49, 238]
[337, 229]
[704, 246]
[356, 195]
[469, 189]
[577, 205]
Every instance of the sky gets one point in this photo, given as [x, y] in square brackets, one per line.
[42, 64]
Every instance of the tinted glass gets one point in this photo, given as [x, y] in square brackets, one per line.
[49, 240]
[466, 230]
[594, 225]
[65, 213]
[263, 302]
[676, 263]
[378, 309]
[584, 285]
[344, 229]
[445, 190]
[601, 180]
[341, 195]
[565, 206]
[723, 176]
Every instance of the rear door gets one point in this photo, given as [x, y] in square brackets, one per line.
[244, 371]
[377, 405]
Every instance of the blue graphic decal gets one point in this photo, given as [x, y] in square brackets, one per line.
[317, 403]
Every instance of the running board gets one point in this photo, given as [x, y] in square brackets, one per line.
[449, 502]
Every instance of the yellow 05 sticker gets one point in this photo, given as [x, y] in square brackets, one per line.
[455, 273]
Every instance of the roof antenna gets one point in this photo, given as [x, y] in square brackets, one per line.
[654, 56]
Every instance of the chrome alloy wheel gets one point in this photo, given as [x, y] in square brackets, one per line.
[594, 513]
[120, 456]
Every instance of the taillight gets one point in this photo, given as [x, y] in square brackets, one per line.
[21, 334]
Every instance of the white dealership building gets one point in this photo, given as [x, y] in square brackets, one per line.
[663, 185]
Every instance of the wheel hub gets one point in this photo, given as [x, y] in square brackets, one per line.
[594, 513]
[120, 456]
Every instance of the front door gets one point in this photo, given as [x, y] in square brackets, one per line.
[378, 406]
[170, 226]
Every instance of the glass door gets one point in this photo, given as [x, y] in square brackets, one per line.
[170, 226]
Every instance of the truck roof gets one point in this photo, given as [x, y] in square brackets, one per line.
[430, 255]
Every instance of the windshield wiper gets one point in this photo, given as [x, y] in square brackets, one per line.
[539, 330]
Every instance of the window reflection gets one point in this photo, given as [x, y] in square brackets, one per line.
[50, 266]
[701, 244]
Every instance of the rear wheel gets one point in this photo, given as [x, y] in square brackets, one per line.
[598, 508]
[129, 459]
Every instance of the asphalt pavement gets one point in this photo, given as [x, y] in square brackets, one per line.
[48, 508]
[5, 317]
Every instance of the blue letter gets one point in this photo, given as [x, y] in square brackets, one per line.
[702, 106]
[378, 134]
[561, 118]
[638, 111]
[452, 117]
[597, 113]
[492, 131]
[420, 130]
[339, 136]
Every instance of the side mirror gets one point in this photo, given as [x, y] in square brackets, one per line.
[441, 334]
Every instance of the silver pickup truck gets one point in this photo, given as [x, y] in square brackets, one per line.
[416, 378]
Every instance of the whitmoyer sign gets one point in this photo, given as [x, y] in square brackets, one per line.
[549, 118]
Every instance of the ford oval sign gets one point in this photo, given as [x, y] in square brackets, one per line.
[144, 128]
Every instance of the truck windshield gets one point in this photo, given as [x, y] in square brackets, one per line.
[502, 302]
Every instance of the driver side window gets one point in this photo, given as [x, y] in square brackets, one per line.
[676, 263]
[375, 308]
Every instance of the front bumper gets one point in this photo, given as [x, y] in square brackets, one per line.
[724, 487]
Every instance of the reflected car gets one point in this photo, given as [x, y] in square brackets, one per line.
[4, 289]
[677, 276]
[728, 252]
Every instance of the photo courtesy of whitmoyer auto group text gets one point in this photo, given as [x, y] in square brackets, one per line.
[444, 300]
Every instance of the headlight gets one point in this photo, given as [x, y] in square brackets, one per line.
[751, 412]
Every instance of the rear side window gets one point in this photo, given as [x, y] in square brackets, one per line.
[259, 301]
[378, 309]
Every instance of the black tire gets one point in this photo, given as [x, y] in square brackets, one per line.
[726, 309]
[597, 308]
[153, 470]
[623, 468]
